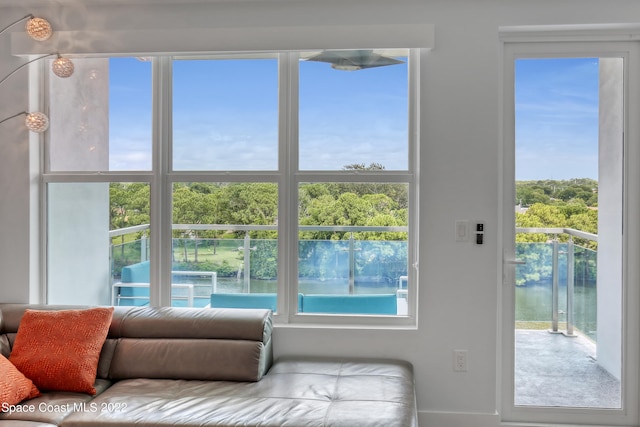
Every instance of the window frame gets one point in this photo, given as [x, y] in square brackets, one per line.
[288, 176]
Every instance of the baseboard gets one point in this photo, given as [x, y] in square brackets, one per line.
[457, 419]
[470, 419]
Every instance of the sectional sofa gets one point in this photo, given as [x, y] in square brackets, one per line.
[213, 367]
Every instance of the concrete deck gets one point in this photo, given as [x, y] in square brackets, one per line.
[558, 371]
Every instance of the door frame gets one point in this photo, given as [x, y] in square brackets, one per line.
[549, 43]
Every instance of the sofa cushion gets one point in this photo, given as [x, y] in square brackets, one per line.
[59, 350]
[191, 359]
[52, 407]
[14, 386]
[190, 343]
[174, 322]
[5, 345]
[296, 391]
[17, 423]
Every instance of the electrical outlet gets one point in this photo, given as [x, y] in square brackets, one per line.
[460, 360]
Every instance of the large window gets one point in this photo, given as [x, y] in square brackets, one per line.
[284, 181]
[225, 114]
[353, 117]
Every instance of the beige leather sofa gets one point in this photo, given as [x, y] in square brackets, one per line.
[214, 367]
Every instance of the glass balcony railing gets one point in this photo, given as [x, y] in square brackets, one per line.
[204, 266]
[556, 286]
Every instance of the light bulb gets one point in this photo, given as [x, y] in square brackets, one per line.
[62, 67]
[38, 29]
[37, 122]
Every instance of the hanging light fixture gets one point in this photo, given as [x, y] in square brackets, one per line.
[36, 122]
[62, 67]
[354, 60]
[37, 28]
[40, 29]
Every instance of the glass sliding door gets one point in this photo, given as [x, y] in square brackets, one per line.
[568, 208]
[566, 202]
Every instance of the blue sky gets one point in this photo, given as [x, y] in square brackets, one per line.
[225, 116]
[557, 118]
[129, 114]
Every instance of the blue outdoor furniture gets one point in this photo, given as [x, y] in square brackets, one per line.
[244, 301]
[351, 304]
[135, 273]
[133, 288]
[336, 304]
[240, 300]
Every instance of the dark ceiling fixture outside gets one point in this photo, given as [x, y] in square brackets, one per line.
[353, 60]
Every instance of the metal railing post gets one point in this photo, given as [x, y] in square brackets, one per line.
[112, 262]
[352, 266]
[570, 286]
[143, 248]
[247, 262]
[554, 289]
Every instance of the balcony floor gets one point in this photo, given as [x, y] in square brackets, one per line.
[554, 370]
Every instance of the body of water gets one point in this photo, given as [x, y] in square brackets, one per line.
[534, 306]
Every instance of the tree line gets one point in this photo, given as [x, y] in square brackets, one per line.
[541, 204]
[580, 191]
[248, 203]
[547, 203]
[347, 204]
[556, 204]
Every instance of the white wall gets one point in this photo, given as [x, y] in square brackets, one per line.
[14, 177]
[458, 290]
[610, 203]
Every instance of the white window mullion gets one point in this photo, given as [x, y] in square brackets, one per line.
[288, 164]
[414, 161]
[160, 274]
[292, 183]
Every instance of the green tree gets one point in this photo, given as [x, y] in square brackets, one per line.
[550, 216]
[192, 207]
[249, 203]
[527, 196]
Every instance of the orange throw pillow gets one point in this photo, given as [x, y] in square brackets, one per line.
[60, 349]
[14, 387]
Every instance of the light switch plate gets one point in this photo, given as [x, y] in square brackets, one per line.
[462, 231]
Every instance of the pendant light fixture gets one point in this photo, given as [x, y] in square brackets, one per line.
[36, 122]
[39, 29]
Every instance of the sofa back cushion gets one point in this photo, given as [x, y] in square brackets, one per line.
[174, 343]
[191, 343]
[188, 359]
